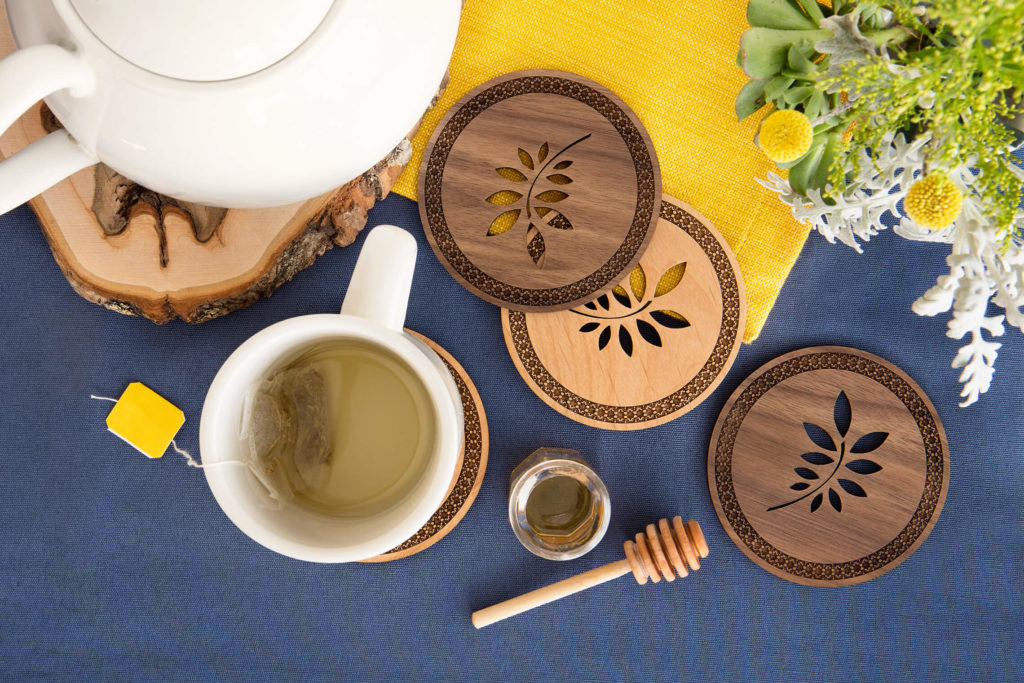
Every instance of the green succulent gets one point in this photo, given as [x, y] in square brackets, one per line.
[778, 53]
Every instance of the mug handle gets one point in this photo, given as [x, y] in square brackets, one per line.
[382, 279]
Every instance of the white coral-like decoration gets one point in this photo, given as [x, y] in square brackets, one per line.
[983, 267]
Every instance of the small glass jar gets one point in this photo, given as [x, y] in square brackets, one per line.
[558, 507]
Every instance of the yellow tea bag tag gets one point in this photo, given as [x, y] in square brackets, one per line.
[145, 419]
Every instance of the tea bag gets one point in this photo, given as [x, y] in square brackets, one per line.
[145, 419]
[286, 426]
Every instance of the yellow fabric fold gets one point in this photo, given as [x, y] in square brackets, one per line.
[674, 63]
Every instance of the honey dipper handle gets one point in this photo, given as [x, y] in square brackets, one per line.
[542, 596]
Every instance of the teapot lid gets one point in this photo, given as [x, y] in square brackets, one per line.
[211, 40]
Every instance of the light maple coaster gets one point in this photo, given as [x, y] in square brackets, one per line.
[828, 466]
[470, 470]
[539, 190]
[138, 252]
[652, 348]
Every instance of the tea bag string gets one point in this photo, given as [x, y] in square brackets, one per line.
[181, 451]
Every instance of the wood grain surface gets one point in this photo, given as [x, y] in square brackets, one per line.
[469, 472]
[137, 252]
[651, 349]
[539, 190]
[828, 466]
[647, 558]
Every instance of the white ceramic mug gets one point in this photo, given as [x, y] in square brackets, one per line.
[373, 313]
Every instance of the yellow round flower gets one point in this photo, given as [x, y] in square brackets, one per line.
[785, 135]
[933, 202]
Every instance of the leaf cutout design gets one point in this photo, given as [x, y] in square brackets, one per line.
[547, 217]
[591, 305]
[648, 332]
[816, 503]
[551, 196]
[606, 335]
[805, 473]
[504, 197]
[670, 319]
[817, 458]
[852, 487]
[670, 279]
[603, 300]
[869, 442]
[503, 222]
[557, 221]
[819, 436]
[535, 245]
[638, 282]
[513, 174]
[525, 158]
[863, 466]
[835, 500]
[620, 295]
[590, 327]
[842, 413]
[626, 340]
[800, 486]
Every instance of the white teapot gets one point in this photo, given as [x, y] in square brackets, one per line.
[230, 103]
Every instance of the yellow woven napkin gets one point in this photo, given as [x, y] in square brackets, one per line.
[674, 63]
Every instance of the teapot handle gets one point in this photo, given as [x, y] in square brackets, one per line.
[382, 279]
[26, 77]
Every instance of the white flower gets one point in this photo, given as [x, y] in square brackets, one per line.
[983, 268]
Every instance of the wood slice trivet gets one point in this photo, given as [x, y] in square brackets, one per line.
[828, 466]
[137, 252]
[539, 190]
[653, 348]
[469, 472]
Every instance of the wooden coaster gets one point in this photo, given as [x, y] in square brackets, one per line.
[652, 349]
[539, 190]
[469, 472]
[134, 251]
[828, 466]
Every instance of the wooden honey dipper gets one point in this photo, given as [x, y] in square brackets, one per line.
[654, 555]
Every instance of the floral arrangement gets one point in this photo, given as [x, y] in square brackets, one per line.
[909, 110]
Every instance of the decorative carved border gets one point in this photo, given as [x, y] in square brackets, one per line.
[712, 369]
[924, 516]
[648, 190]
[474, 464]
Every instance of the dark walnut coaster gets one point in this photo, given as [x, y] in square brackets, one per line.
[651, 349]
[539, 190]
[469, 472]
[828, 466]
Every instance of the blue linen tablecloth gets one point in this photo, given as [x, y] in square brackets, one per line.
[114, 567]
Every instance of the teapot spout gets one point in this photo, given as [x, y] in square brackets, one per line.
[39, 166]
[27, 76]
